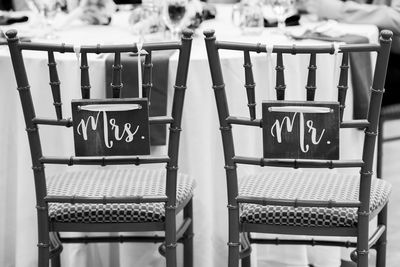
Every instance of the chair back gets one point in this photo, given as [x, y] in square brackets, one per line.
[294, 121]
[83, 103]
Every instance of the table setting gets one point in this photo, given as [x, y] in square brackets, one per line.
[160, 20]
[103, 21]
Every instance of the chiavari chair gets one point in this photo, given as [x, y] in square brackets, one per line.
[318, 201]
[116, 195]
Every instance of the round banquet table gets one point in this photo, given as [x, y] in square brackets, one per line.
[200, 154]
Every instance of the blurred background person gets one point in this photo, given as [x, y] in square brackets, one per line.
[385, 14]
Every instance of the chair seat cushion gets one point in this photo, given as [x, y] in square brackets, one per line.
[307, 185]
[117, 183]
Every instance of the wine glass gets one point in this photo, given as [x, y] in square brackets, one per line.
[174, 15]
[282, 8]
[47, 10]
[146, 19]
[248, 15]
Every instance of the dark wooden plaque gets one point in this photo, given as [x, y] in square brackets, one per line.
[112, 127]
[301, 130]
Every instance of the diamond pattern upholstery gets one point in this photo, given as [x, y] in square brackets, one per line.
[113, 182]
[306, 185]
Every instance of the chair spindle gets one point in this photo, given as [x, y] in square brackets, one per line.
[343, 83]
[55, 84]
[116, 84]
[147, 76]
[311, 79]
[280, 78]
[85, 82]
[249, 85]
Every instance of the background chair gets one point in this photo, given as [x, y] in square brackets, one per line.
[316, 203]
[112, 198]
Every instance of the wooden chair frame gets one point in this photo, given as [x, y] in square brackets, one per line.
[49, 240]
[239, 248]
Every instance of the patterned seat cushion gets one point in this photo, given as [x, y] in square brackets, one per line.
[113, 182]
[307, 186]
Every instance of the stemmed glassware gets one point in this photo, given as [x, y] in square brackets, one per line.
[47, 10]
[248, 15]
[282, 8]
[174, 15]
[146, 20]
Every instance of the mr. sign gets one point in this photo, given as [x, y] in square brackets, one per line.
[301, 130]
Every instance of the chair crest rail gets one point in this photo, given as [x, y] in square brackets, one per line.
[97, 49]
[297, 49]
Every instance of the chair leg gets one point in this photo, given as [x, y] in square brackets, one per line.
[233, 256]
[43, 238]
[44, 253]
[170, 237]
[246, 246]
[188, 242]
[56, 249]
[379, 149]
[362, 238]
[246, 261]
[55, 261]
[362, 260]
[234, 240]
[381, 244]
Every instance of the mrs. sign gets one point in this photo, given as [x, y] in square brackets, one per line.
[111, 127]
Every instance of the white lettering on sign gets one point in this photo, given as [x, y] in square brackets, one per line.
[277, 127]
[128, 132]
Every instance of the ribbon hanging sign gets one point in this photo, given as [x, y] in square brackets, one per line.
[140, 52]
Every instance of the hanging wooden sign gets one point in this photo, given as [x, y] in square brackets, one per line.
[111, 127]
[301, 129]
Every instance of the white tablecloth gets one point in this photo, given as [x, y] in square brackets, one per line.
[200, 154]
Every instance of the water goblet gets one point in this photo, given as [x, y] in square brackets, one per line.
[146, 20]
[174, 15]
[47, 9]
[248, 15]
[282, 8]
